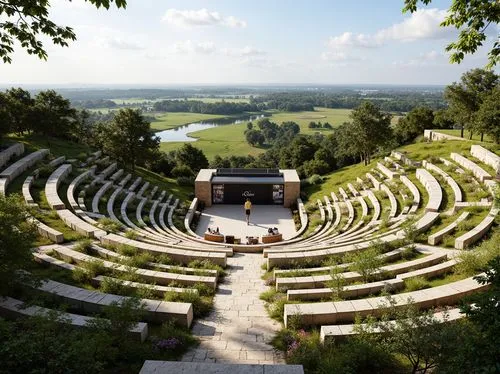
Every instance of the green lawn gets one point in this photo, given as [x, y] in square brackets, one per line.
[475, 137]
[171, 120]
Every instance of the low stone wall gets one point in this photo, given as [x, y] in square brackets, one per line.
[14, 150]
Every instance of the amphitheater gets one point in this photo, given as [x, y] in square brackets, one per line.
[449, 201]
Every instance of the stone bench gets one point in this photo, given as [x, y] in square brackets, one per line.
[94, 302]
[451, 182]
[350, 291]
[433, 190]
[19, 167]
[134, 185]
[13, 309]
[437, 237]
[177, 367]
[181, 255]
[386, 171]
[414, 191]
[431, 271]
[28, 182]
[486, 156]
[57, 161]
[353, 190]
[477, 232]
[343, 194]
[392, 200]
[99, 194]
[143, 189]
[52, 185]
[117, 174]
[375, 203]
[106, 172]
[478, 171]
[404, 159]
[47, 231]
[335, 333]
[218, 238]
[375, 182]
[79, 225]
[315, 314]
[14, 150]
[124, 181]
[70, 193]
[153, 276]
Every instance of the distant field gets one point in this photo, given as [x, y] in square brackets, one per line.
[334, 117]
[219, 99]
[170, 120]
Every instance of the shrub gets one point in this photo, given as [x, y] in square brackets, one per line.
[84, 246]
[416, 283]
[315, 179]
[163, 259]
[269, 296]
[206, 265]
[409, 252]
[182, 171]
[114, 286]
[80, 275]
[45, 171]
[127, 250]
[203, 289]
[109, 224]
[131, 234]
[185, 181]
[201, 305]
[94, 268]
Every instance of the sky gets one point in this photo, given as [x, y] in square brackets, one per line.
[190, 42]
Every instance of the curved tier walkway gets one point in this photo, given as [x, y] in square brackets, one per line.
[238, 328]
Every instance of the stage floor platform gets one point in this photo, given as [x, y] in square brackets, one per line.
[230, 219]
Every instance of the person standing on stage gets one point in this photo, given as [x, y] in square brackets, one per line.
[248, 208]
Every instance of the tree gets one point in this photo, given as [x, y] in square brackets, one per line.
[191, 156]
[254, 137]
[414, 124]
[5, 122]
[472, 18]
[337, 282]
[17, 235]
[128, 138]
[366, 262]
[370, 129]
[27, 22]
[53, 115]
[442, 119]
[465, 98]
[488, 114]
[19, 107]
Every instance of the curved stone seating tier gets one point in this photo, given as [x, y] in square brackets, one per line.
[52, 185]
[13, 309]
[28, 182]
[334, 197]
[353, 190]
[404, 159]
[106, 172]
[117, 174]
[124, 181]
[106, 253]
[99, 194]
[395, 165]
[138, 212]
[134, 185]
[386, 171]
[94, 156]
[171, 367]
[451, 182]
[319, 281]
[350, 218]
[94, 302]
[180, 255]
[47, 232]
[79, 225]
[159, 291]
[433, 190]
[19, 167]
[343, 194]
[477, 170]
[332, 333]
[392, 200]
[477, 232]
[74, 185]
[414, 191]
[304, 218]
[156, 277]
[153, 192]
[436, 238]
[189, 217]
[111, 203]
[316, 314]
[467, 204]
[486, 156]
[375, 203]
[152, 218]
[430, 271]
[364, 207]
[426, 221]
[14, 150]
[143, 189]
[375, 182]
[57, 161]
[348, 292]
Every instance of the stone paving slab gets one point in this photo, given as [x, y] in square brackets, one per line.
[238, 330]
[171, 367]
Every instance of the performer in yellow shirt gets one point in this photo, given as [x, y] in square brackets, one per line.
[248, 208]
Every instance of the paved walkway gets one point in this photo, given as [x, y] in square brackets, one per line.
[238, 329]
[230, 219]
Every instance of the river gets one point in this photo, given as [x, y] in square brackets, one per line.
[181, 133]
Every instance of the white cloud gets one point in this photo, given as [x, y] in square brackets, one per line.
[201, 17]
[338, 56]
[190, 47]
[424, 59]
[246, 51]
[423, 24]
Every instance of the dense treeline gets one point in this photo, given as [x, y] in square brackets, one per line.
[387, 101]
[196, 106]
